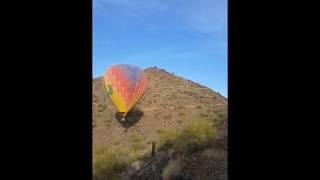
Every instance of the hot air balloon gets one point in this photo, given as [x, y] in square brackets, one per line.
[125, 85]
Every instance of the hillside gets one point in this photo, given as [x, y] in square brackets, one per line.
[170, 102]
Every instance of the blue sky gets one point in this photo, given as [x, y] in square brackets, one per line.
[187, 37]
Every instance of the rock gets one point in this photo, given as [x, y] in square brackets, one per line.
[136, 165]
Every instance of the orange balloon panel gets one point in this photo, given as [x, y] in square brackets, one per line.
[125, 85]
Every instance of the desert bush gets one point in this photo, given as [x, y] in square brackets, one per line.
[173, 96]
[196, 136]
[202, 101]
[167, 138]
[204, 115]
[109, 163]
[137, 143]
[179, 121]
[159, 131]
[94, 100]
[222, 115]
[167, 116]
[94, 124]
[116, 143]
[137, 146]
[101, 107]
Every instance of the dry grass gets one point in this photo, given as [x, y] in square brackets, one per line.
[168, 138]
[137, 144]
[198, 135]
[109, 163]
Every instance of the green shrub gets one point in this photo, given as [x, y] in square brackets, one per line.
[108, 163]
[198, 135]
[167, 138]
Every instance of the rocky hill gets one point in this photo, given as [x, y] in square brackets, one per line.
[170, 103]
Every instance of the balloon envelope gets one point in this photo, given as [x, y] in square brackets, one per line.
[125, 85]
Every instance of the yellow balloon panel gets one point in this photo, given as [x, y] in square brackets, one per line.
[125, 85]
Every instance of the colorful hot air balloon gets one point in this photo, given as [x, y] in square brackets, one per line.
[125, 85]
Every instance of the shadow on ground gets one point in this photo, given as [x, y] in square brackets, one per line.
[131, 118]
